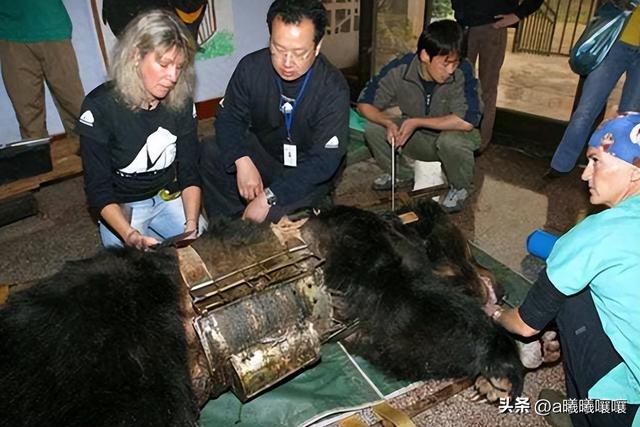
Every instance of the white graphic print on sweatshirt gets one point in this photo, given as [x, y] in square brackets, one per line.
[158, 153]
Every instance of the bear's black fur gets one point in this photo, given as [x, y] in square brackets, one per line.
[414, 322]
[101, 343]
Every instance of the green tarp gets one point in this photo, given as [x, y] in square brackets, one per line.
[333, 383]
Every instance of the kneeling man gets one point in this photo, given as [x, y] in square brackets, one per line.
[439, 99]
[282, 127]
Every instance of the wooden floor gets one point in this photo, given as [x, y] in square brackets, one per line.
[66, 162]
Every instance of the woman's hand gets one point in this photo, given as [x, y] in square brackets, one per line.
[191, 225]
[135, 239]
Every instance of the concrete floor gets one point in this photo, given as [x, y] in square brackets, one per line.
[543, 85]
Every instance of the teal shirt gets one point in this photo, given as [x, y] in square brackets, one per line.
[603, 252]
[31, 21]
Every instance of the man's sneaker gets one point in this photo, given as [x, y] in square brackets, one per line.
[383, 183]
[454, 200]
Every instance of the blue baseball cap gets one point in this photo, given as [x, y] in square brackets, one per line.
[620, 137]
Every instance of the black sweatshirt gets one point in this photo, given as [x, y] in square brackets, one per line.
[320, 124]
[472, 13]
[128, 155]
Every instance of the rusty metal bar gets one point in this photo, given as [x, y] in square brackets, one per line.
[536, 34]
[555, 25]
[564, 26]
[575, 25]
[256, 264]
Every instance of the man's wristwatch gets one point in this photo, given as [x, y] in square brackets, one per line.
[271, 198]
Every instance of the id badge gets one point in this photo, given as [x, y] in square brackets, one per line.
[290, 155]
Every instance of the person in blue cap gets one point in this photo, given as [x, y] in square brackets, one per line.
[591, 286]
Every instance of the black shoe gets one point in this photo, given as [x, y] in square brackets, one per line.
[552, 174]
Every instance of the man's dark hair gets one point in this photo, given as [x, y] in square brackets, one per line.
[293, 11]
[441, 38]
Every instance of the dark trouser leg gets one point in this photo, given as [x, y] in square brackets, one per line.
[588, 356]
[221, 198]
[319, 197]
[219, 190]
[595, 92]
[219, 186]
[487, 45]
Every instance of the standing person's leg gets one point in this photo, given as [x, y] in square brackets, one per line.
[24, 80]
[588, 356]
[630, 99]
[61, 73]
[489, 46]
[595, 92]
[473, 46]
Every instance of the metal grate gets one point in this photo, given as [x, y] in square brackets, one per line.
[554, 28]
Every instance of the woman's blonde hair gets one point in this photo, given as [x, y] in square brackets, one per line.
[155, 31]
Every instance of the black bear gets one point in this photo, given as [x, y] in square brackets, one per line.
[101, 343]
[417, 295]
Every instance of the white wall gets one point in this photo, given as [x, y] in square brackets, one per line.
[251, 33]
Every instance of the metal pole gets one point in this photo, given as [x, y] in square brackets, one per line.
[393, 174]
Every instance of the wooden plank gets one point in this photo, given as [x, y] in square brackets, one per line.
[4, 293]
[66, 162]
[16, 208]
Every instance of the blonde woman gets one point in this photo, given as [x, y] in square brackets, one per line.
[138, 137]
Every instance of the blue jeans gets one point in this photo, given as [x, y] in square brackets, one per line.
[153, 217]
[597, 88]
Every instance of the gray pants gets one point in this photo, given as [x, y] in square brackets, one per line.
[453, 148]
